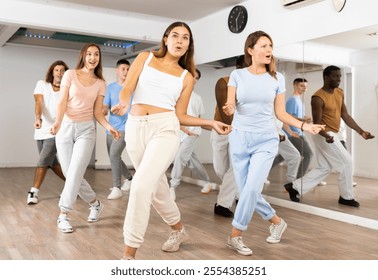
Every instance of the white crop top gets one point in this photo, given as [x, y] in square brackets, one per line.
[158, 88]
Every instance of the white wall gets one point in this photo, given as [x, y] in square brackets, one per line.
[20, 69]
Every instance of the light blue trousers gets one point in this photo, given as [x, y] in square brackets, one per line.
[252, 156]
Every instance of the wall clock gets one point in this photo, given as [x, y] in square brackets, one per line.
[237, 19]
[339, 4]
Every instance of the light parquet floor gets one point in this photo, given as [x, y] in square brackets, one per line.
[30, 232]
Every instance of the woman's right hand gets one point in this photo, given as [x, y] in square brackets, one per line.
[228, 109]
[120, 109]
[221, 128]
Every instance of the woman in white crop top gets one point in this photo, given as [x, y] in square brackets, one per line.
[162, 83]
[82, 93]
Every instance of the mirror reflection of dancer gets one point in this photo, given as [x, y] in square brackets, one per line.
[253, 93]
[162, 82]
[328, 108]
[46, 96]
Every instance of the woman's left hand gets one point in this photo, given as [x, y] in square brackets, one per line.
[222, 128]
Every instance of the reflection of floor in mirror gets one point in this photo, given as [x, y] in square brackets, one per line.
[366, 193]
[30, 232]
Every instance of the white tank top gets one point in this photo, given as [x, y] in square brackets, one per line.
[158, 88]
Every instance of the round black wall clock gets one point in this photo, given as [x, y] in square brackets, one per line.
[237, 19]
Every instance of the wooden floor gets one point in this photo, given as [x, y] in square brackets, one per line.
[30, 232]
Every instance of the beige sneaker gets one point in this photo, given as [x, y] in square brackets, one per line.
[276, 232]
[236, 243]
[174, 241]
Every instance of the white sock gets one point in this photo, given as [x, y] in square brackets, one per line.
[34, 190]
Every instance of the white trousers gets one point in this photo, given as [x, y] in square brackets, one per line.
[223, 168]
[75, 143]
[152, 143]
[330, 156]
[186, 157]
[287, 152]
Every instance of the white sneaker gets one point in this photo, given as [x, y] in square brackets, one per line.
[208, 187]
[32, 198]
[115, 193]
[126, 185]
[354, 184]
[322, 183]
[267, 182]
[176, 237]
[172, 192]
[236, 243]
[276, 232]
[64, 225]
[94, 212]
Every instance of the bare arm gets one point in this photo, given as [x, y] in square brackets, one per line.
[130, 84]
[282, 115]
[60, 110]
[98, 114]
[221, 98]
[229, 107]
[185, 119]
[105, 110]
[38, 110]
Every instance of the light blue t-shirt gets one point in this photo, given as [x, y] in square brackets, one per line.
[255, 96]
[294, 106]
[111, 99]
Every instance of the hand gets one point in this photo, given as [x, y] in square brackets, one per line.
[120, 109]
[367, 135]
[313, 128]
[228, 109]
[115, 133]
[329, 139]
[55, 128]
[221, 128]
[38, 123]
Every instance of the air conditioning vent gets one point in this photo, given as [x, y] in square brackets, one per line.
[293, 4]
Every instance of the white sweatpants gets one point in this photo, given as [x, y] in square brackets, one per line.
[186, 157]
[152, 143]
[75, 142]
[330, 156]
[223, 168]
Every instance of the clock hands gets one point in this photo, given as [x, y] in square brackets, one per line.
[236, 21]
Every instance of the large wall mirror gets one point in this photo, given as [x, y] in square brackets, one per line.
[356, 86]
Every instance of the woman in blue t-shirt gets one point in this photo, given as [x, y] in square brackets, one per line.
[254, 94]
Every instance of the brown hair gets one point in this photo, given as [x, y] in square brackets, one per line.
[187, 60]
[81, 61]
[250, 42]
[49, 74]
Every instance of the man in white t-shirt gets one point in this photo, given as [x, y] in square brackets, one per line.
[186, 156]
[46, 95]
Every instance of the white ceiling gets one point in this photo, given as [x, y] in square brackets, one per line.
[188, 11]
[176, 9]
